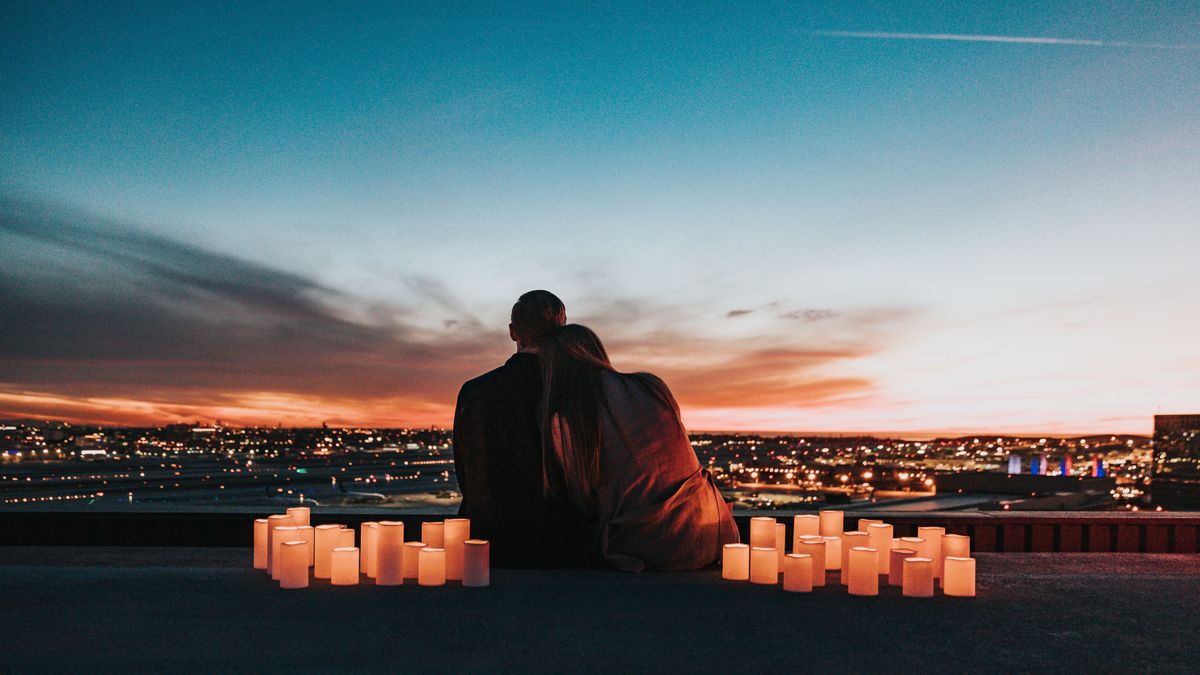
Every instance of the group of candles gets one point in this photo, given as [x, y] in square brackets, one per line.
[860, 557]
[288, 548]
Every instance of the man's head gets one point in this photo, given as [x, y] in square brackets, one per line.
[535, 317]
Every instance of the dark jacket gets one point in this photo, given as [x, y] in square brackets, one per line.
[498, 459]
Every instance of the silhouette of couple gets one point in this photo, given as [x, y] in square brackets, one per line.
[563, 460]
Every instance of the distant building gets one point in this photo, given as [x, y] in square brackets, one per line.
[1176, 481]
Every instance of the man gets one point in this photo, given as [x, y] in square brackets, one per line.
[498, 451]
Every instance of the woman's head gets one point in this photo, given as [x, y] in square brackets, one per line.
[573, 359]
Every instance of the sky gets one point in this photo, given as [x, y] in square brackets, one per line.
[909, 218]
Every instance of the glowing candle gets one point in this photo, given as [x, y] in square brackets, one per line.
[933, 539]
[389, 553]
[864, 571]
[762, 532]
[454, 533]
[431, 566]
[477, 563]
[831, 523]
[864, 524]
[764, 565]
[735, 562]
[260, 543]
[797, 573]
[833, 553]
[956, 545]
[880, 536]
[918, 578]
[412, 552]
[370, 536]
[306, 535]
[431, 533]
[345, 539]
[299, 515]
[917, 544]
[849, 541]
[896, 558]
[344, 566]
[959, 577]
[277, 520]
[805, 526]
[814, 547]
[325, 539]
[283, 534]
[780, 542]
[293, 564]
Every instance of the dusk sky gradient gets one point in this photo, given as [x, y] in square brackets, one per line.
[863, 217]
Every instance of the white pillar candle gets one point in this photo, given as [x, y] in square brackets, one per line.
[412, 552]
[896, 542]
[831, 523]
[896, 558]
[306, 534]
[956, 545]
[389, 553]
[806, 526]
[849, 541]
[864, 524]
[293, 564]
[277, 520]
[431, 533]
[735, 562]
[797, 573]
[933, 539]
[260, 543]
[344, 567]
[918, 578]
[325, 539]
[764, 565]
[299, 515]
[815, 547]
[345, 539]
[762, 532]
[283, 534]
[880, 536]
[959, 577]
[370, 537]
[917, 544]
[833, 553]
[864, 571]
[780, 542]
[477, 563]
[431, 566]
[454, 533]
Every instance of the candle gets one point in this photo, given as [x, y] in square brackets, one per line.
[831, 523]
[880, 536]
[849, 541]
[833, 553]
[959, 577]
[370, 536]
[277, 520]
[454, 533]
[764, 565]
[431, 566]
[412, 552]
[283, 534]
[780, 542]
[956, 545]
[896, 558]
[293, 564]
[864, 571]
[917, 544]
[299, 515]
[762, 532]
[306, 535]
[344, 566]
[345, 539]
[735, 562]
[477, 563]
[260, 543]
[918, 578]
[325, 539]
[805, 526]
[864, 524]
[933, 539]
[798, 573]
[389, 553]
[815, 547]
[431, 533]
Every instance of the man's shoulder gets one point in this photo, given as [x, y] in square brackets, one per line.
[515, 369]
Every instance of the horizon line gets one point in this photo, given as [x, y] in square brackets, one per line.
[1009, 39]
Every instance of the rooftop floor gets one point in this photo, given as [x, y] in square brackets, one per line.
[205, 610]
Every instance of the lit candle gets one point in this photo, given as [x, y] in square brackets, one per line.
[260, 543]
[831, 523]
[956, 545]
[431, 533]
[344, 566]
[735, 562]
[764, 565]
[864, 571]
[477, 563]
[833, 553]
[299, 515]
[780, 542]
[918, 578]
[370, 536]
[325, 539]
[814, 547]
[431, 566]
[805, 526]
[798, 573]
[283, 534]
[864, 524]
[345, 539]
[389, 553]
[959, 577]
[277, 520]
[849, 541]
[412, 552]
[896, 558]
[880, 536]
[762, 532]
[293, 564]
[917, 544]
[933, 538]
[306, 534]
[454, 533]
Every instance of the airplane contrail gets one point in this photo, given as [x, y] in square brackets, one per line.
[1015, 39]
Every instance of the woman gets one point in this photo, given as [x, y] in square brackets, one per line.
[616, 447]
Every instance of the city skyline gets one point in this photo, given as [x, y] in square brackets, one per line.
[907, 220]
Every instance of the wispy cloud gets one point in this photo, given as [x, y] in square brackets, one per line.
[1011, 39]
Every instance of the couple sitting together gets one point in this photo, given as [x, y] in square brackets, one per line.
[562, 460]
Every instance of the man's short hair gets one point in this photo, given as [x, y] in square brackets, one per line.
[536, 315]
